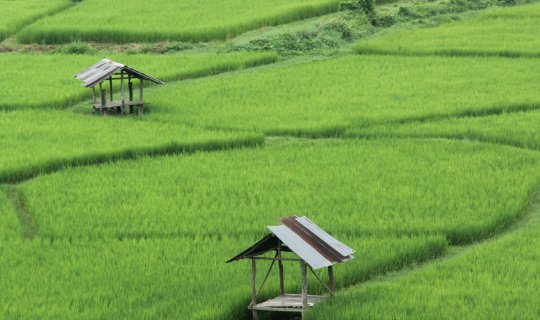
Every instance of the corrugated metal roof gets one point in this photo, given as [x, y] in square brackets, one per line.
[268, 243]
[105, 68]
[303, 237]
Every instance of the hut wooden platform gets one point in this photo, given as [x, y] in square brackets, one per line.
[108, 70]
[314, 248]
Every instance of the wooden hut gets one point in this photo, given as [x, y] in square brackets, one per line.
[313, 249]
[108, 71]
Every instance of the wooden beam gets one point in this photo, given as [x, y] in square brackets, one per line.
[303, 266]
[94, 99]
[130, 88]
[331, 279]
[141, 87]
[122, 95]
[111, 89]
[276, 258]
[281, 277]
[254, 288]
[103, 99]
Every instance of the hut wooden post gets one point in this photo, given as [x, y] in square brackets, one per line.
[254, 288]
[130, 89]
[102, 109]
[331, 279]
[94, 99]
[141, 87]
[280, 265]
[304, 287]
[122, 93]
[110, 88]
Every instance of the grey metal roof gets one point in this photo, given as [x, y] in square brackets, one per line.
[105, 68]
[307, 240]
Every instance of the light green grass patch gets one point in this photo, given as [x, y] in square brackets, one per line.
[501, 32]
[465, 191]
[323, 98]
[187, 20]
[34, 142]
[48, 79]
[17, 13]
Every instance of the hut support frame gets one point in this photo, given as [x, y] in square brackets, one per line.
[107, 71]
[286, 302]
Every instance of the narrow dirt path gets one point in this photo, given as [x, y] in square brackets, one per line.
[29, 229]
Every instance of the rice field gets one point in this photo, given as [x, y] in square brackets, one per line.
[187, 20]
[425, 161]
[155, 278]
[35, 141]
[509, 32]
[49, 80]
[251, 188]
[135, 218]
[514, 128]
[323, 98]
[498, 280]
[17, 13]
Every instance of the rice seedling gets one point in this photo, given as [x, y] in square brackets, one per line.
[17, 13]
[509, 32]
[49, 78]
[34, 142]
[323, 98]
[188, 20]
[496, 280]
[515, 128]
[464, 191]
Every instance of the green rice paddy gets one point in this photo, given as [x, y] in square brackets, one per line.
[418, 147]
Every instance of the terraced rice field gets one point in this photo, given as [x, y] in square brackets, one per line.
[426, 164]
[323, 98]
[17, 13]
[50, 81]
[510, 32]
[191, 20]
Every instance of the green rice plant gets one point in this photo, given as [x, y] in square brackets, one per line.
[49, 81]
[180, 277]
[9, 227]
[34, 142]
[187, 20]
[515, 128]
[323, 98]
[508, 32]
[462, 190]
[17, 13]
[496, 280]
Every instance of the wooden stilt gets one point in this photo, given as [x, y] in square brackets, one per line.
[130, 89]
[103, 99]
[110, 88]
[331, 279]
[304, 287]
[141, 88]
[254, 288]
[281, 277]
[122, 93]
[94, 99]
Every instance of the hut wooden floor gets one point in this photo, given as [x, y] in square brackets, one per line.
[287, 302]
[114, 104]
